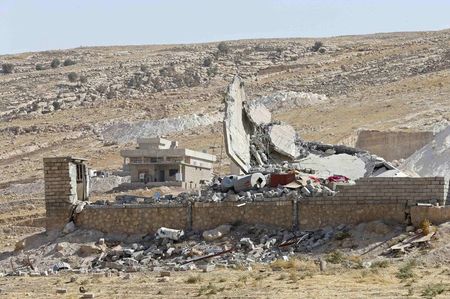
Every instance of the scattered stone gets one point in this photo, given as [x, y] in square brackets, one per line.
[163, 279]
[61, 291]
[164, 273]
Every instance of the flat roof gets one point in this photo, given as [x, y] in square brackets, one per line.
[174, 152]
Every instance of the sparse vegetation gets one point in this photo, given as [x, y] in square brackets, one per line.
[212, 71]
[69, 62]
[317, 45]
[406, 271]
[342, 235]
[380, 264]
[192, 279]
[72, 76]
[39, 67]
[207, 62]
[209, 289]
[83, 79]
[144, 68]
[102, 88]
[223, 48]
[335, 257]
[55, 63]
[7, 68]
[432, 290]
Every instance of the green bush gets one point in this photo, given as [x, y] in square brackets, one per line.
[223, 48]
[55, 63]
[7, 68]
[72, 76]
[68, 62]
[39, 67]
[207, 62]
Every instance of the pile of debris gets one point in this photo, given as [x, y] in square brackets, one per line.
[227, 246]
[256, 143]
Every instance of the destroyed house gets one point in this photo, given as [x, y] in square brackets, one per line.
[158, 162]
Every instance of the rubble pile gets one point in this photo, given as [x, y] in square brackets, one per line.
[271, 143]
[227, 246]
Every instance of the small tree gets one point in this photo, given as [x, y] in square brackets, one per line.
[223, 48]
[68, 62]
[39, 67]
[317, 45]
[73, 77]
[55, 63]
[7, 68]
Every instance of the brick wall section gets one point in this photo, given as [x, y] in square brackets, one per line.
[210, 215]
[400, 190]
[132, 219]
[58, 192]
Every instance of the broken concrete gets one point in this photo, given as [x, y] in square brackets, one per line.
[282, 137]
[236, 132]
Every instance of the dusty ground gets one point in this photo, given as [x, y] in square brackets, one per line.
[260, 282]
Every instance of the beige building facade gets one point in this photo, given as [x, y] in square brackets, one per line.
[160, 162]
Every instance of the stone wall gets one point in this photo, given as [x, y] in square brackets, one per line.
[133, 219]
[370, 199]
[392, 145]
[315, 214]
[210, 215]
[435, 215]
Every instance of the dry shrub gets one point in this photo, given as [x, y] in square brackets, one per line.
[425, 225]
[193, 279]
[294, 264]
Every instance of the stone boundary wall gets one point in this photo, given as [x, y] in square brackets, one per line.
[210, 215]
[435, 215]
[133, 219]
[397, 189]
[318, 214]
[389, 199]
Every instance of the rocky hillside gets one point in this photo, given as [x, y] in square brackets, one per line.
[85, 101]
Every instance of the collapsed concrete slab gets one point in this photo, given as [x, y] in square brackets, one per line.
[282, 138]
[257, 113]
[343, 164]
[236, 131]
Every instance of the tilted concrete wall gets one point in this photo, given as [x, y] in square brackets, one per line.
[370, 199]
[392, 145]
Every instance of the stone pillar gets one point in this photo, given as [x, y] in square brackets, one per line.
[60, 176]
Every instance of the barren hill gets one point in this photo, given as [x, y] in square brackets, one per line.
[104, 94]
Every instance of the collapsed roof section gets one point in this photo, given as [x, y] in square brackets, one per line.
[256, 143]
